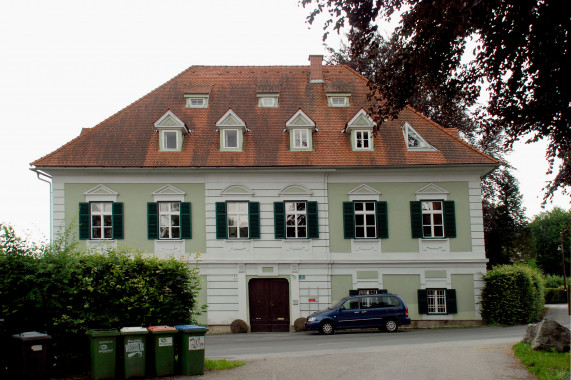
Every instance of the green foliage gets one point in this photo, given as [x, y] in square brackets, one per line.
[554, 281]
[543, 364]
[545, 232]
[555, 295]
[513, 295]
[211, 365]
[65, 292]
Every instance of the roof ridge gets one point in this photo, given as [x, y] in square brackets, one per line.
[456, 137]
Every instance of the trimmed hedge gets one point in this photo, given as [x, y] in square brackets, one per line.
[555, 295]
[513, 295]
[65, 292]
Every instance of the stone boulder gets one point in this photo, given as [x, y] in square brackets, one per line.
[238, 326]
[547, 335]
[299, 324]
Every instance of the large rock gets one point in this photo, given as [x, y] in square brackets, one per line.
[547, 335]
[238, 326]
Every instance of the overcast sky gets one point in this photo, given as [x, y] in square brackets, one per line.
[68, 65]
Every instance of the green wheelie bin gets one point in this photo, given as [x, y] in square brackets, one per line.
[162, 350]
[103, 353]
[134, 351]
[191, 349]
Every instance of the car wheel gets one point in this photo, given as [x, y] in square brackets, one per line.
[326, 328]
[391, 325]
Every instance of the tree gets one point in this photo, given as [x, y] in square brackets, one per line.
[505, 225]
[521, 55]
[545, 234]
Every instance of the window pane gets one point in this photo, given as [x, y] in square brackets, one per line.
[300, 206]
[370, 206]
[301, 232]
[96, 233]
[427, 231]
[175, 232]
[108, 232]
[438, 231]
[96, 220]
[232, 232]
[170, 140]
[358, 206]
[231, 138]
[290, 206]
[427, 206]
[175, 220]
[290, 232]
[107, 220]
[106, 207]
[243, 232]
[437, 205]
[175, 206]
[163, 206]
[370, 218]
[232, 207]
[95, 207]
[243, 207]
[301, 220]
[360, 219]
[290, 220]
[371, 232]
[164, 232]
[360, 232]
[232, 221]
[438, 219]
[164, 221]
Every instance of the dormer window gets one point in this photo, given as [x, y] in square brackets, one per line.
[361, 129]
[268, 100]
[196, 100]
[300, 128]
[232, 130]
[413, 140]
[338, 100]
[171, 131]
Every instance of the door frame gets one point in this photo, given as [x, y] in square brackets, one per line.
[256, 277]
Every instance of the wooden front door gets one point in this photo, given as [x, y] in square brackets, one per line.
[269, 305]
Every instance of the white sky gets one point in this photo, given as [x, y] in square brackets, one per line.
[66, 65]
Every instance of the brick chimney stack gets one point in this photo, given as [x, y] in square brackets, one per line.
[315, 69]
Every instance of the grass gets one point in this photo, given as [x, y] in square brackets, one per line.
[545, 365]
[211, 365]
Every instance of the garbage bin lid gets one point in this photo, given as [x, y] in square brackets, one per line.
[102, 332]
[191, 328]
[133, 330]
[31, 335]
[161, 328]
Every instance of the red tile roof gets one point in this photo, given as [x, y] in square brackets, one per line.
[128, 138]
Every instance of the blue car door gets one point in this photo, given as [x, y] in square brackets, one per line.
[370, 310]
[349, 314]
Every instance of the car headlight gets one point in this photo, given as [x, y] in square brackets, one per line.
[311, 319]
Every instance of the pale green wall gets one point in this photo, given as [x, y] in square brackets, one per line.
[202, 300]
[464, 285]
[135, 197]
[398, 197]
[406, 286]
[340, 286]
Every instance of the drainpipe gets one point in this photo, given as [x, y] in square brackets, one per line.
[48, 181]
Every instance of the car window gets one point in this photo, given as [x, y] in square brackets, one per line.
[351, 304]
[370, 302]
[390, 301]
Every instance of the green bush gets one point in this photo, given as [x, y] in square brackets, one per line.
[513, 295]
[63, 291]
[554, 281]
[555, 295]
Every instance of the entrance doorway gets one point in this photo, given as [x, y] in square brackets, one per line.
[269, 304]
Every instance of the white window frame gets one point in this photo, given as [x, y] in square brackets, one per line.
[366, 136]
[267, 101]
[436, 299]
[364, 213]
[225, 138]
[191, 98]
[164, 138]
[301, 136]
[292, 214]
[432, 214]
[196, 102]
[169, 226]
[242, 217]
[338, 100]
[100, 215]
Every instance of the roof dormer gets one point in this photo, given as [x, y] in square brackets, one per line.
[232, 130]
[300, 128]
[171, 132]
[197, 96]
[361, 129]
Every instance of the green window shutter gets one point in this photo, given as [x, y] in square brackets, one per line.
[416, 219]
[185, 220]
[221, 232]
[353, 292]
[382, 220]
[422, 301]
[84, 221]
[254, 216]
[279, 220]
[152, 220]
[449, 219]
[348, 220]
[117, 212]
[312, 221]
[451, 304]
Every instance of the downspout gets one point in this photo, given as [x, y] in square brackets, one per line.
[48, 181]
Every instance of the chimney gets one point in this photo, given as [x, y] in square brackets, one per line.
[315, 69]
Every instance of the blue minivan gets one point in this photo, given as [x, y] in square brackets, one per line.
[384, 311]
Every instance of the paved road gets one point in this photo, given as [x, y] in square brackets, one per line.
[471, 353]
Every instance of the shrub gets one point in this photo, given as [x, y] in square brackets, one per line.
[555, 295]
[513, 295]
[63, 291]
